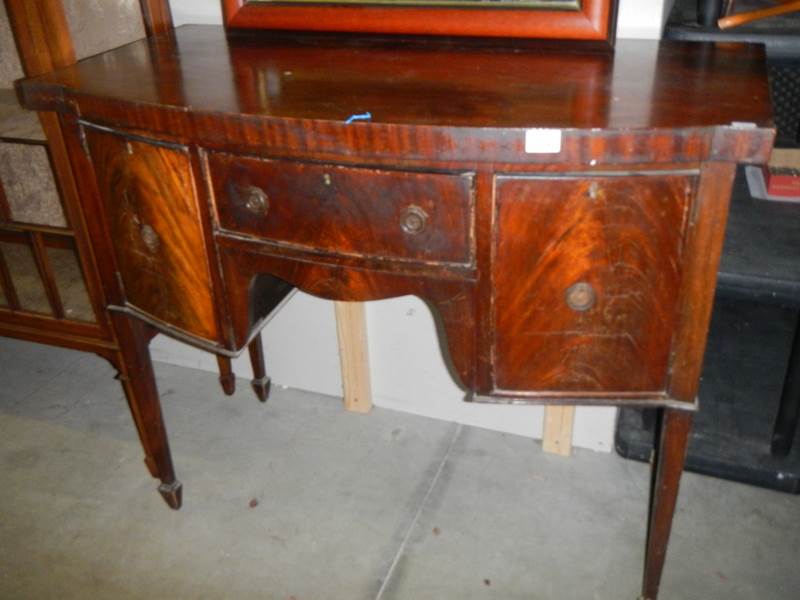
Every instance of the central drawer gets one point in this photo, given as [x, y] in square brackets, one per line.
[425, 217]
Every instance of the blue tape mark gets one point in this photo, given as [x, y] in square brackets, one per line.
[367, 116]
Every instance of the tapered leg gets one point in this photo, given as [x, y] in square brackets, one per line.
[667, 468]
[226, 377]
[138, 381]
[789, 409]
[261, 382]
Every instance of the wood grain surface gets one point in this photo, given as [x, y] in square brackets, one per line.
[622, 237]
[286, 96]
[346, 210]
[453, 301]
[44, 42]
[696, 300]
[152, 212]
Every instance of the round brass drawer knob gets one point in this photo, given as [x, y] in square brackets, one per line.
[414, 220]
[256, 201]
[581, 296]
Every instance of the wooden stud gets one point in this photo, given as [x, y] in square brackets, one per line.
[557, 438]
[351, 328]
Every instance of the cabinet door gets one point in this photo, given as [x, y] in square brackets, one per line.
[153, 215]
[587, 275]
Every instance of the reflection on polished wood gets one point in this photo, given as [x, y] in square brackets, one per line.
[220, 173]
[647, 94]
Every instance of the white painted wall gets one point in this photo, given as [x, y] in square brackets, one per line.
[641, 19]
[196, 11]
[407, 368]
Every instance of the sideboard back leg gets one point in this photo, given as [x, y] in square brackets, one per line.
[226, 377]
[261, 382]
[138, 380]
[667, 468]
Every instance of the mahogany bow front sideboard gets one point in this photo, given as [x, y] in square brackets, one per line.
[561, 210]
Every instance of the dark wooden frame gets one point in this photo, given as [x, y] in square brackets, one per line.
[594, 21]
[44, 43]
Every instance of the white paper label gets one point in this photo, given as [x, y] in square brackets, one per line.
[542, 141]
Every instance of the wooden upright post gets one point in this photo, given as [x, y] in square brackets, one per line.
[557, 438]
[351, 327]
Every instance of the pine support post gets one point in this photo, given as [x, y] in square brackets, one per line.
[557, 438]
[351, 328]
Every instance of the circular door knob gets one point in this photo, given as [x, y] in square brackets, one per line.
[580, 296]
[256, 201]
[414, 220]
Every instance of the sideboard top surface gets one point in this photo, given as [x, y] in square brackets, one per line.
[642, 85]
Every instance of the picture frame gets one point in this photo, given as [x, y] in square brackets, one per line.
[586, 20]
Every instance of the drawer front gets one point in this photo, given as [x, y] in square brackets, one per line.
[587, 276]
[355, 211]
[152, 213]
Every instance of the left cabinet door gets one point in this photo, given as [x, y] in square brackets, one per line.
[154, 219]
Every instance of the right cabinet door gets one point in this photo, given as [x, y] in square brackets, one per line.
[587, 272]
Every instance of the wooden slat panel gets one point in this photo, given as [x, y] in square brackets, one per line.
[44, 43]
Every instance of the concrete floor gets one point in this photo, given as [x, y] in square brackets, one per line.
[298, 500]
